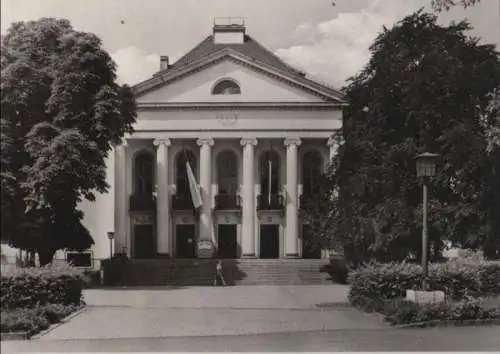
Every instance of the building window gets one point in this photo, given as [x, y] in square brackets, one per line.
[269, 173]
[227, 173]
[226, 87]
[311, 171]
[181, 178]
[144, 173]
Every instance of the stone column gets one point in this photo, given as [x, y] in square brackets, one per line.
[248, 196]
[206, 228]
[121, 198]
[163, 238]
[292, 210]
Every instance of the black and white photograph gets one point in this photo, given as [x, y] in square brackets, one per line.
[250, 176]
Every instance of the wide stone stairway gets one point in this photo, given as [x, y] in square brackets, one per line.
[189, 272]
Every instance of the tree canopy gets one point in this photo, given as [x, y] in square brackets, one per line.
[445, 5]
[426, 88]
[61, 111]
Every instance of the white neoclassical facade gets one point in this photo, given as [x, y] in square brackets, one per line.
[255, 133]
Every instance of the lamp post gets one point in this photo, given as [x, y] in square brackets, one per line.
[426, 168]
[111, 235]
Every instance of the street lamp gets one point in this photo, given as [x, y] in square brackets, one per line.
[426, 168]
[111, 236]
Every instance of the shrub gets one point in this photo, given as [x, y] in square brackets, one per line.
[55, 312]
[30, 287]
[406, 312]
[23, 320]
[372, 285]
[337, 269]
[33, 320]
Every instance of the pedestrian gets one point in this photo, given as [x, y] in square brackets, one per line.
[218, 273]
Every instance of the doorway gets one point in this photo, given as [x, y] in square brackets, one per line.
[227, 241]
[185, 237]
[144, 241]
[310, 248]
[269, 241]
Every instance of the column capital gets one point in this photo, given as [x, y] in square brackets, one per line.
[292, 141]
[205, 141]
[246, 141]
[158, 142]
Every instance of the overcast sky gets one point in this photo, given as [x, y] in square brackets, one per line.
[329, 42]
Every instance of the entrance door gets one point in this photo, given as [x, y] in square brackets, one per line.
[185, 236]
[227, 241]
[269, 241]
[310, 249]
[144, 241]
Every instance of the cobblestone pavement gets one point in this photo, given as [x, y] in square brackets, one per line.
[433, 339]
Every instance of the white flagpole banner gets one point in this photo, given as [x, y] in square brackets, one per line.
[269, 182]
[193, 187]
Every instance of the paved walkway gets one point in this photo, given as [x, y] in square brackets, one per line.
[210, 311]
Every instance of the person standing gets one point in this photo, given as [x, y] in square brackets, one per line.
[218, 273]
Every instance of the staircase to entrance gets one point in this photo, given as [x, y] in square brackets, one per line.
[199, 272]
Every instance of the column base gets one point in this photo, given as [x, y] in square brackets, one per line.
[249, 256]
[163, 255]
[292, 255]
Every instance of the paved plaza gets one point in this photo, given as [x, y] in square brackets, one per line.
[244, 318]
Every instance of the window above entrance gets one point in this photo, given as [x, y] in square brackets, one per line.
[226, 87]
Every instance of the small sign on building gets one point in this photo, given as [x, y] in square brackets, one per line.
[205, 249]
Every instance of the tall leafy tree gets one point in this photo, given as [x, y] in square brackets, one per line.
[61, 111]
[426, 88]
[445, 5]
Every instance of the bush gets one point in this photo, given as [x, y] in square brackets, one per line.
[337, 269]
[34, 320]
[30, 287]
[55, 312]
[406, 312]
[459, 279]
[23, 320]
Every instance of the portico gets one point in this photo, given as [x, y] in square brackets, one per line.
[247, 211]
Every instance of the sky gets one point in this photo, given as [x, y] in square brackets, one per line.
[329, 42]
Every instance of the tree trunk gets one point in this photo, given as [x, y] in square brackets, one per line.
[46, 256]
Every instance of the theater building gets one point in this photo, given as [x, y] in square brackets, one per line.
[255, 132]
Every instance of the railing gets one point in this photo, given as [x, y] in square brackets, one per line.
[182, 202]
[142, 202]
[276, 202]
[227, 201]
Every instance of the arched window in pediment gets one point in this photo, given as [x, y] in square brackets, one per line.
[226, 87]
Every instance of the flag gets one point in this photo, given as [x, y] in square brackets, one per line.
[193, 187]
[269, 181]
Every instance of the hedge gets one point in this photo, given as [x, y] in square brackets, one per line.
[34, 320]
[30, 287]
[372, 285]
[407, 312]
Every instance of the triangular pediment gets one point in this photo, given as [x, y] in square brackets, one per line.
[258, 82]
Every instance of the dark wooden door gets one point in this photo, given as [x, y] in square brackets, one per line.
[144, 241]
[310, 248]
[185, 241]
[269, 241]
[227, 242]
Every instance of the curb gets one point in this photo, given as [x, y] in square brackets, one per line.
[14, 336]
[449, 323]
[55, 325]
